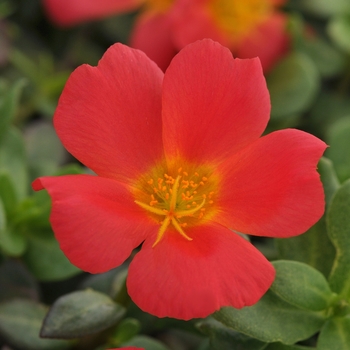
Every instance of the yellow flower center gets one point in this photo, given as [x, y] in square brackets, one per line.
[157, 5]
[178, 199]
[239, 17]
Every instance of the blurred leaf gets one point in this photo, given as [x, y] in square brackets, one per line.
[13, 161]
[301, 285]
[45, 259]
[339, 141]
[145, 342]
[328, 60]
[293, 85]
[313, 248]
[11, 241]
[280, 346]
[80, 313]
[339, 31]
[225, 338]
[44, 149]
[327, 109]
[20, 322]
[335, 334]
[272, 320]
[16, 281]
[7, 192]
[338, 224]
[325, 8]
[9, 99]
[127, 329]
[329, 178]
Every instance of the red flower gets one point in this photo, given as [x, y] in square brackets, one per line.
[249, 28]
[180, 164]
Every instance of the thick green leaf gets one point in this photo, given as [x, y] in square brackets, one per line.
[20, 322]
[225, 338]
[329, 178]
[338, 139]
[339, 31]
[9, 98]
[293, 85]
[11, 242]
[335, 334]
[301, 285]
[313, 248]
[328, 60]
[16, 281]
[79, 314]
[44, 149]
[325, 8]
[272, 320]
[46, 260]
[280, 346]
[328, 108]
[146, 343]
[13, 161]
[338, 224]
[126, 330]
[7, 192]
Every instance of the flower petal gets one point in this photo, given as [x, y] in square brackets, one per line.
[192, 21]
[109, 116]
[189, 279]
[153, 35]
[213, 105]
[272, 188]
[71, 12]
[95, 220]
[270, 42]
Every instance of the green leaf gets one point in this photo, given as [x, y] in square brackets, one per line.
[313, 248]
[11, 242]
[335, 334]
[293, 85]
[338, 139]
[20, 322]
[338, 224]
[146, 343]
[301, 285]
[44, 149]
[325, 8]
[9, 99]
[329, 107]
[339, 31]
[328, 60]
[329, 178]
[13, 161]
[272, 320]
[79, 314]
[223, 338]
[16, 281]
[280, 346]
[7, 192]
[126, 330]
[45, 259]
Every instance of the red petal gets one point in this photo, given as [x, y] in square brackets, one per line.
[272, 188]
[213, 105]
[95, 220]
[109, 116]
[189, 279]
[153, 35]
[270, 42]
[193, 21]
[71, 12]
